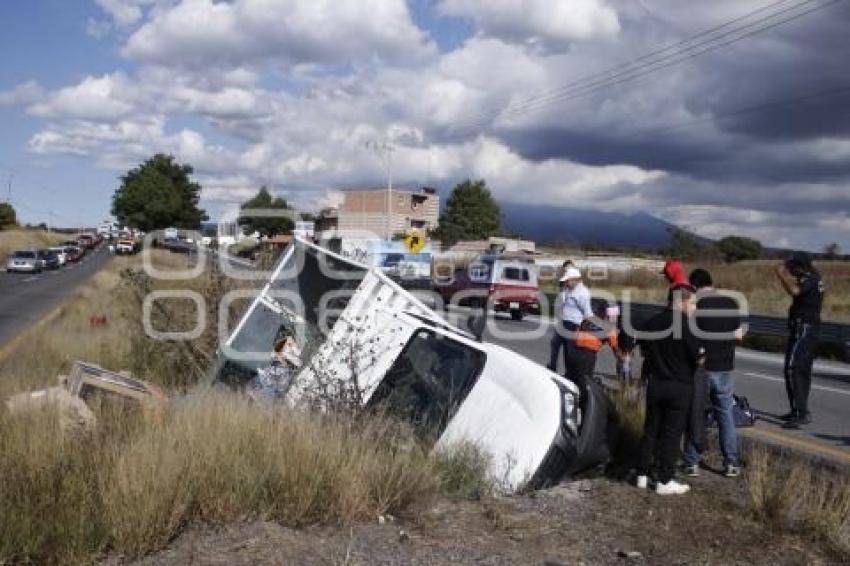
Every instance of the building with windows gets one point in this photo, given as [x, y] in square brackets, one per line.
[365, 210]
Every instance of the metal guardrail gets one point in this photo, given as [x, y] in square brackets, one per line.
[758, 325]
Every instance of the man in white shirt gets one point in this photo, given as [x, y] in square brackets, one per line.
[573, 304]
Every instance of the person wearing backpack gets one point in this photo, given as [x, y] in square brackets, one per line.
[718, 326]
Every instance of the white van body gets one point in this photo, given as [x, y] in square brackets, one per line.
[384, 347]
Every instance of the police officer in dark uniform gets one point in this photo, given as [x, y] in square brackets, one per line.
[805, 286]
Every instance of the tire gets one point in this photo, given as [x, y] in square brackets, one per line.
[517, 314]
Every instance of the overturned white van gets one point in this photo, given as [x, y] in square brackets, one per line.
[327, 328]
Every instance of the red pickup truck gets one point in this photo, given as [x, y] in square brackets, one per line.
[506, 284]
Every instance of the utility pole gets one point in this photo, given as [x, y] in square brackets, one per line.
[384, 151]
[9, 188]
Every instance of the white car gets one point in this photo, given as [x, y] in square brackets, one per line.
[360, 336]
[127, 247]
[60, 253]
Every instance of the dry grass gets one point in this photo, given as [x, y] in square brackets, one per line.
[220, 458]
[11, 240]
[792, 493]
[131, 486]
[223, 458]
[462, 472]
[51, 349]
[756, 279]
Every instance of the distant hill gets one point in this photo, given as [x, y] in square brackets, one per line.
[554, 225]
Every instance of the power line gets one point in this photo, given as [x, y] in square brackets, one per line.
[626, 64]
[774, 104]
[631, 70]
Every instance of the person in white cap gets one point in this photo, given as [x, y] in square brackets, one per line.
[573, 304]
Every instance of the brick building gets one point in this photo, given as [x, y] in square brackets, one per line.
[366, 210]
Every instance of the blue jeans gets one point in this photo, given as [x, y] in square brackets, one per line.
[561, 340]
[721, 385]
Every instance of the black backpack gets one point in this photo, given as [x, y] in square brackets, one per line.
[742, 414]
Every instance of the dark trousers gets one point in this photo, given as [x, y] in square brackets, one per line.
[799, 358]
[560, 340]
[581, 364]
[667, 405]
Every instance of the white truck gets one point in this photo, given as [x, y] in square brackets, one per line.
[351, 333]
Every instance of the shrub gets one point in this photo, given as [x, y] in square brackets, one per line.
[461, 472]
[793, 493]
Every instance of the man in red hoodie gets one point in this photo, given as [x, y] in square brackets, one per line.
[674, 272]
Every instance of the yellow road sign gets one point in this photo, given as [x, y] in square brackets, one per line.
[415, 241]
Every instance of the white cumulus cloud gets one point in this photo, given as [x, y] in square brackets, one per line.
[94, 98]
[220, 34]
[551, 24]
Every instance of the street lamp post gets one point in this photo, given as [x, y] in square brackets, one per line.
[384, 150]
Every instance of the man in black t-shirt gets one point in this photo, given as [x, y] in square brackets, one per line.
[672, 354]
[718, 326]
[805, 286]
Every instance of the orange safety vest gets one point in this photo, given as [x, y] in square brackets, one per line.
[589, 340]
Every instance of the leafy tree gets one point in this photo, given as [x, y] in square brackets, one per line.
[832, 251]
[471, 214]
[158, 194]
[267, 226]
[737, 248]
[8, 216]
[685, 245]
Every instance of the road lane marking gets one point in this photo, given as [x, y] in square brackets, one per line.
[814, 386]
[33, 278]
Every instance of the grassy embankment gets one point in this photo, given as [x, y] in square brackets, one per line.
[130, 486]
[11, 240]
[786, 492]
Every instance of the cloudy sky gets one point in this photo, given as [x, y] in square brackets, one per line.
[731, 116]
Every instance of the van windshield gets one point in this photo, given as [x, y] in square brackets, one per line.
[24, 255]
[429, 380]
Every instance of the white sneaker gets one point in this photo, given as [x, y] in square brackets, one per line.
[642, 482]
[672, 487]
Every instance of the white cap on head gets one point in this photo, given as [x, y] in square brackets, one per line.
[571, 273]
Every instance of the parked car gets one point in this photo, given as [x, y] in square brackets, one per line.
[87, 241]
[81, 251]
[178, 246]
[49, 259]
[61, 255]
[125, 247]
[25, 261]
[505, 284]
[73, 253]
[326, 330]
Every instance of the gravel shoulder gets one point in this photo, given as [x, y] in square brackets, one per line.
[595, 521]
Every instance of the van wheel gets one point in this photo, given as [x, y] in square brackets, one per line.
[517, 314]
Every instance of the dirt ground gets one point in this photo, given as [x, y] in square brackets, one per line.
[594, 521]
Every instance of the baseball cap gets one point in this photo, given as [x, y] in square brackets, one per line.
[571, 273]
[799, 259]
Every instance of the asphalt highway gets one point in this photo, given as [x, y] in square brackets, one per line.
[26, 298]
[758, 376]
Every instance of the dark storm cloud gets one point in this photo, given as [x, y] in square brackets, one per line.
[758, 108]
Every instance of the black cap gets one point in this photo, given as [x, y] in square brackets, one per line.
[799, 259]
[700, 278]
